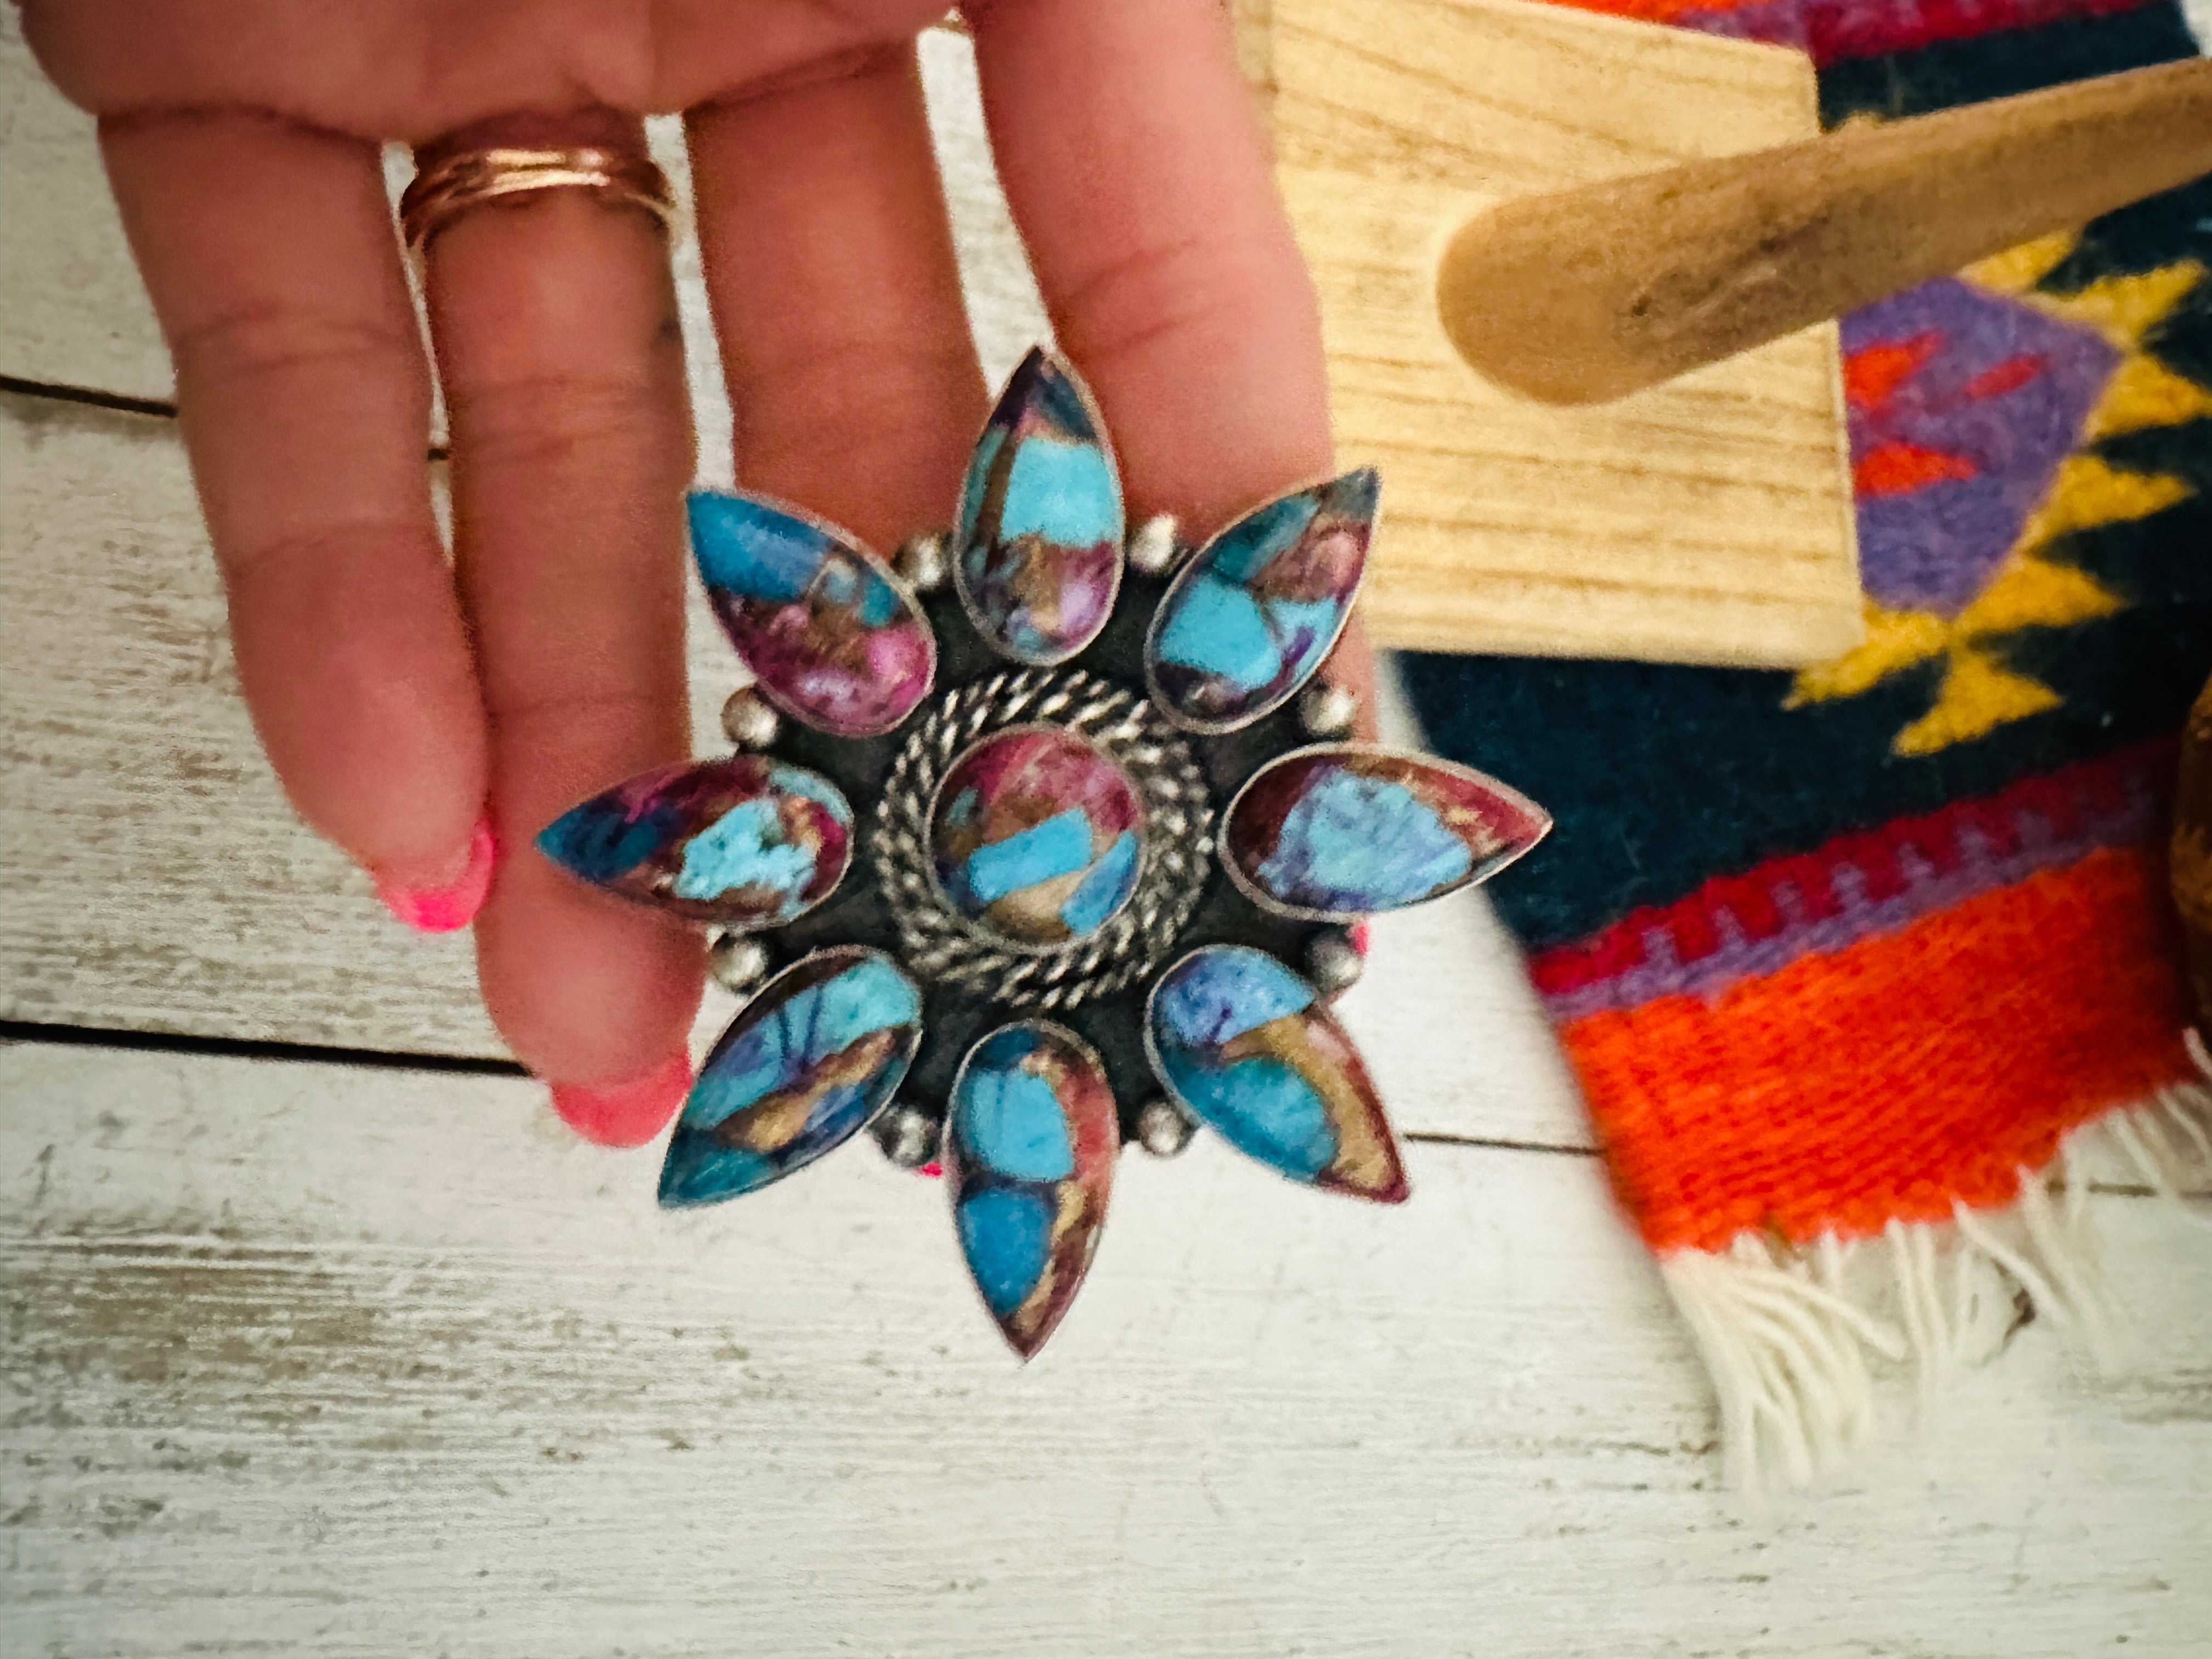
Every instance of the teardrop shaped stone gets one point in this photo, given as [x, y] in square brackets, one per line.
[1245, 1045]
[746, 841]
[1257, 609]
[1036, 836]
[803, 1068]
[1038, 548]
[833, 638]
[1346, 829]
[1030, 1149]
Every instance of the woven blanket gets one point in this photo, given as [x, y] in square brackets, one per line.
[1852, 962]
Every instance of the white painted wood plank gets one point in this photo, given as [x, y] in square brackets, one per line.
[155, 879]
[152, 878]
[75, 314]
[126, 748]
[325, 1362]
[71, 309]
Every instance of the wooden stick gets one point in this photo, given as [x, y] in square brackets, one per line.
[1594, 292]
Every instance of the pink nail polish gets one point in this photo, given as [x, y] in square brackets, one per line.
[625, 1114]
[443, 909]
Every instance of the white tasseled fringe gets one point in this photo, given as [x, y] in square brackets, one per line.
[1792, 1337]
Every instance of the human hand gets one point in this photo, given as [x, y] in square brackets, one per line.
[419, 714]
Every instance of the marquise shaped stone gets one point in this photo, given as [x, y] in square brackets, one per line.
[746, 840]
[803, 1068]
[1256, 611]
[1344, 830]
[1038, 548]
[1246, 1047]
[1030, 1149]
[832, 636]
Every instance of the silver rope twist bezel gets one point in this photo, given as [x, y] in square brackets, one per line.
[942, 946]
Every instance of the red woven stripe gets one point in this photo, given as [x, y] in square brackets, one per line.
[2067, 801]
[1886, 1080]
[1853, 28]
[1835, 29]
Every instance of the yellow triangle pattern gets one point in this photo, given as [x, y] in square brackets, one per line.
[1895, 640]
[2086, 492]
[2019, 269]
[2123, 308]
[1978, 693]
[2145, 392]
[2030, 592]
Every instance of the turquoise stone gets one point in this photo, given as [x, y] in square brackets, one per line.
[831, 636]
[1347, 829]
[1030, 1141]
[1006, 1234]
[803, 1068]
[1035, 837]
[1255, 612]
[1038, 547]
[746, 840]
[1245, 1045]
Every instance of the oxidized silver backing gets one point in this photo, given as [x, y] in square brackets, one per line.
[940, 945]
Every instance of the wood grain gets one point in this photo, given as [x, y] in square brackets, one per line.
[153, 879]
[1708, 520]
[1638, 545]
[314, 1361]
[1580, 295]
[340, 1362]
[75, 314]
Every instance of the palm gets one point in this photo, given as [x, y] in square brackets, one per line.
[404, 699]
[411, 71]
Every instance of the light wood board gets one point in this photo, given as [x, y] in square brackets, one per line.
[1713, 511]
[321, 1360]
[332, 1361]
[308, 1360]
[75, 314]
[1707, 520]
[153, 877]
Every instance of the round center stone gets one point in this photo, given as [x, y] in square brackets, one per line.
[1035, 837]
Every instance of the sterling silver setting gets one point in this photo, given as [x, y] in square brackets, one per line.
[941, 946]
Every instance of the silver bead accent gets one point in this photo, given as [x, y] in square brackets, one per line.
[924, 563]
[738, 963]
[1156, 549]
[909, 1136]
[1163, 1128]
[1327, 711]
[748, 721]
[1333, 963]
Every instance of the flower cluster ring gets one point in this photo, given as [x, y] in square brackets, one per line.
[1111, 834]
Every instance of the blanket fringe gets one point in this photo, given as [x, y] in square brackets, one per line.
[1794, 1336]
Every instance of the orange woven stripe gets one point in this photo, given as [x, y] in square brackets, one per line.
[1656, 11]
[1887, 1079]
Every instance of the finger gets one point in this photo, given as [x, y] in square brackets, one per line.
[1140, 182]
[304, 400]
[851, 370]
[1351, 665]
[555, 319]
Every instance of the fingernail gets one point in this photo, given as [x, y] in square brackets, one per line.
[442, 908]
[625, 1114]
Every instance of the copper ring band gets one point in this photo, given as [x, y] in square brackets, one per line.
[452, 185]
